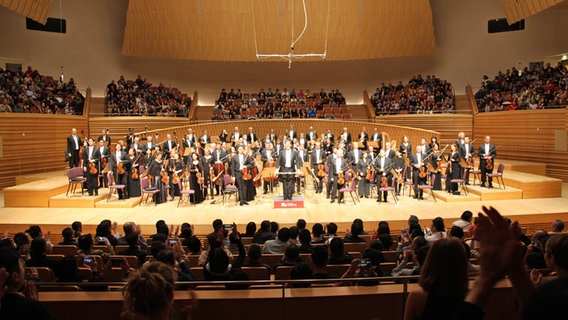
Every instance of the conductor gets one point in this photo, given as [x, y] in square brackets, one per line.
[288, 164]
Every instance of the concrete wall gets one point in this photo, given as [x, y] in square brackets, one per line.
[91, 52]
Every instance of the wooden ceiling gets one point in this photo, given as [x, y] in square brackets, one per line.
[235, 30]
[33, 9]
[516, 10]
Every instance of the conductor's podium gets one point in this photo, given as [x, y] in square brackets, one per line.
[297, 202]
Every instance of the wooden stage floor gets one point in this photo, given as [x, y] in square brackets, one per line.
[317, 209]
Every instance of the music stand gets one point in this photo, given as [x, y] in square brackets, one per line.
[374, 144]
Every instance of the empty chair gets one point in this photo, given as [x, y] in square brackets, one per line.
[257, 273]
[183, 192]
[461, 182]
[76, 177]
[475, 172]
[352, 188]
[66, 250]
[429, 186]
[44, 273]
[499, 175]
[113, 186]
[229, 188]
[146, 190]
[390, 189]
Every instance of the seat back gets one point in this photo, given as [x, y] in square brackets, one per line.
[110, 179]
[282, 273]
[66, 250]
[501, 168]
[464, 175]
[144, 184]
[75, 172]
[433, 179]
[257, 273]
[354, 183]
[227, 180]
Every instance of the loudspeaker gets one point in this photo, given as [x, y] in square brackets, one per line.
[52, 25]
[501, 25]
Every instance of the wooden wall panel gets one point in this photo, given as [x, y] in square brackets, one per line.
[34, 143]
[118, 126]
[449, 125]
[526, 135]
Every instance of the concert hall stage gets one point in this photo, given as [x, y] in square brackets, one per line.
[40, 199]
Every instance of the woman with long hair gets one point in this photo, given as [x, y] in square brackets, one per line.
[443, 282]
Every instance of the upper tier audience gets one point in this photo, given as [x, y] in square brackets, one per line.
[30, 92]
[426, 96]
[139, 98]
[274, 104]
[534, 88]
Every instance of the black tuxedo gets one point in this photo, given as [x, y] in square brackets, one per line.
[389, 153]
[377, 136]
[363, 137]
[291, 134]
[248, 163]
[492, 153]
[105, 153]
[236, 136]
[311, 135]
[105, 138]
[332, 177]
[414, 162]
[251, 137]
[316, 159]
[94, 157]
[147, 146]
[273, 137]
[73, 146]
[346, 137]
[288, 179]
[119, 178]
[384, 170]
[219, 155]
[351, 157]
[167, 146]
[331, 137]
[405, 149]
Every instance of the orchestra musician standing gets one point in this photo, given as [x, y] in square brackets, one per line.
[155, 170]
[383, 164]
[487, 153]
[467, 151]
[175, 169]
[168, 146]
[268, 157]
[133, 172]
[239, 162]
[377, 137]
[74, 144]
[337, 165]
[363, 137]
[435, 162]
[118, 160]
[398, 166]
[302, 158]
[91, 158]
[105, 137]
[288, 163]
[363, 165]
[454, 169]
[105, 155]
[195, 168]
[417, 162]
[318, 158]
[311, 135]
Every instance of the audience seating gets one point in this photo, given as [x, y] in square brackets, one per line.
[66, 250]
[257, 273]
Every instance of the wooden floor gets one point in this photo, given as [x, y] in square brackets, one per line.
[317, 209]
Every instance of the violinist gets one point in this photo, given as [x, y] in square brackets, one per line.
[467, 151]
[195, 168]
[205, 139]
[116, 169]
[337, 165]
[436, 162]
[219, 158]
[175, 168]
[312, 135]
[105, 137]
[268, 158]
[317, 161]
[302, 157]
[207, 164]
[389, 153]
[383, 177]
[487, 153]
[377, 136]
[105, 155]
[236, 136]
[454, 169]
[398, 166]
[155, 171]
[136, 145]
[405, 147]
[363, 137]
[91, 158]
[365, 173]
[418, 166]
[149, 145]
[147, 158]
[252, 172]
[354, 155]
[239, 163]
[189, 141]
[132, 173]
[168, 145]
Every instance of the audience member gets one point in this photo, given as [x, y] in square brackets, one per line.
[68, 238]
[320, 258]
[317, 233]
[465, 221]
[278, 245]
[557, 226]
[338, 256]
[254, 254]
[437, 230]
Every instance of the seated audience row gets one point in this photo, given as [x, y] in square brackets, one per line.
[534, 88]
[140, 98]
[274, 105]
[30, 92]
[423, 96]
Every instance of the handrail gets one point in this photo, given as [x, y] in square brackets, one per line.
[193, 106]
[471, 99]
[368, 104]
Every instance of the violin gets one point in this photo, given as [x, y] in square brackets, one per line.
[165, 178]
[175, 178]
[246, 174]
[340, 178]
[134, 173]
[93, 168]
[200, 178]
[489, 163]
[470, 162]
[120, 168]
[321, 170]
[422, 173]
[384, 182]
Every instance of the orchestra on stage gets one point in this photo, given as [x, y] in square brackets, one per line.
[245, 162]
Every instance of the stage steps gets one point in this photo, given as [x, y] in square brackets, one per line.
[75, 200]
[495, 193]
[34, 191]
[533, 186]
[537, 168]
[448, 197]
